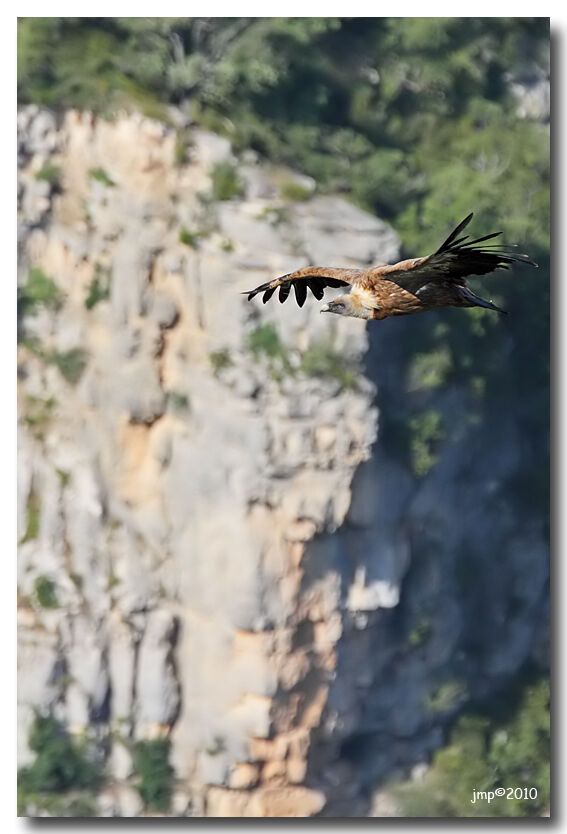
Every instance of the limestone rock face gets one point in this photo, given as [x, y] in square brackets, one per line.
[175, 482]
[213, 543]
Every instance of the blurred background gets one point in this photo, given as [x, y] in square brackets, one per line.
[273, 563]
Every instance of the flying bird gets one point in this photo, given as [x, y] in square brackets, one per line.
[412, 286]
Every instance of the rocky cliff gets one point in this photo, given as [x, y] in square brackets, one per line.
[217, 544]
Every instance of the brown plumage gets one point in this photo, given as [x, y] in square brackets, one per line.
[412, 286]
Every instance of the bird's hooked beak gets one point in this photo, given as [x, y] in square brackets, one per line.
[325, 309]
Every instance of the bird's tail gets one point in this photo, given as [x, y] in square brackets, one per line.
[476, 301]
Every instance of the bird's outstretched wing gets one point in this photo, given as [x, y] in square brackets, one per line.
[314, 277]
[456, 258]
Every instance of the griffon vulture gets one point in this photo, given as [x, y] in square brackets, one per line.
[411, 286]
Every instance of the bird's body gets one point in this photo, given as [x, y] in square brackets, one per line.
[411, 286]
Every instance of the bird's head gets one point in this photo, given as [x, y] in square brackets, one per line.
[346, 305]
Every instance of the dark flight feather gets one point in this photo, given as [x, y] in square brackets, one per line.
[446, 244]
[300, 292]
[284, 292]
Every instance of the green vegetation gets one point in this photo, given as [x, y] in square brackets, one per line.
[178, 401]
[485, 753]
[61, 769]
[64, 477]
[74, 803]
[420, 633]
[293, 190]
[426, 433]
[189, 238]
[45, 592]
[94, 68]
[447, 696]
[264, 340]
[275, 215]
[182, 143]
[180, 152]
[418, 124]
[113, 581]
[33, 517]
[226, 182]
[154, 773]
[99, 287]
[71, 363]
[100, 175]
[37, 413]
[49, 173]
[220, 359]
[321, 359]
[428, 371]
[39, 291]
